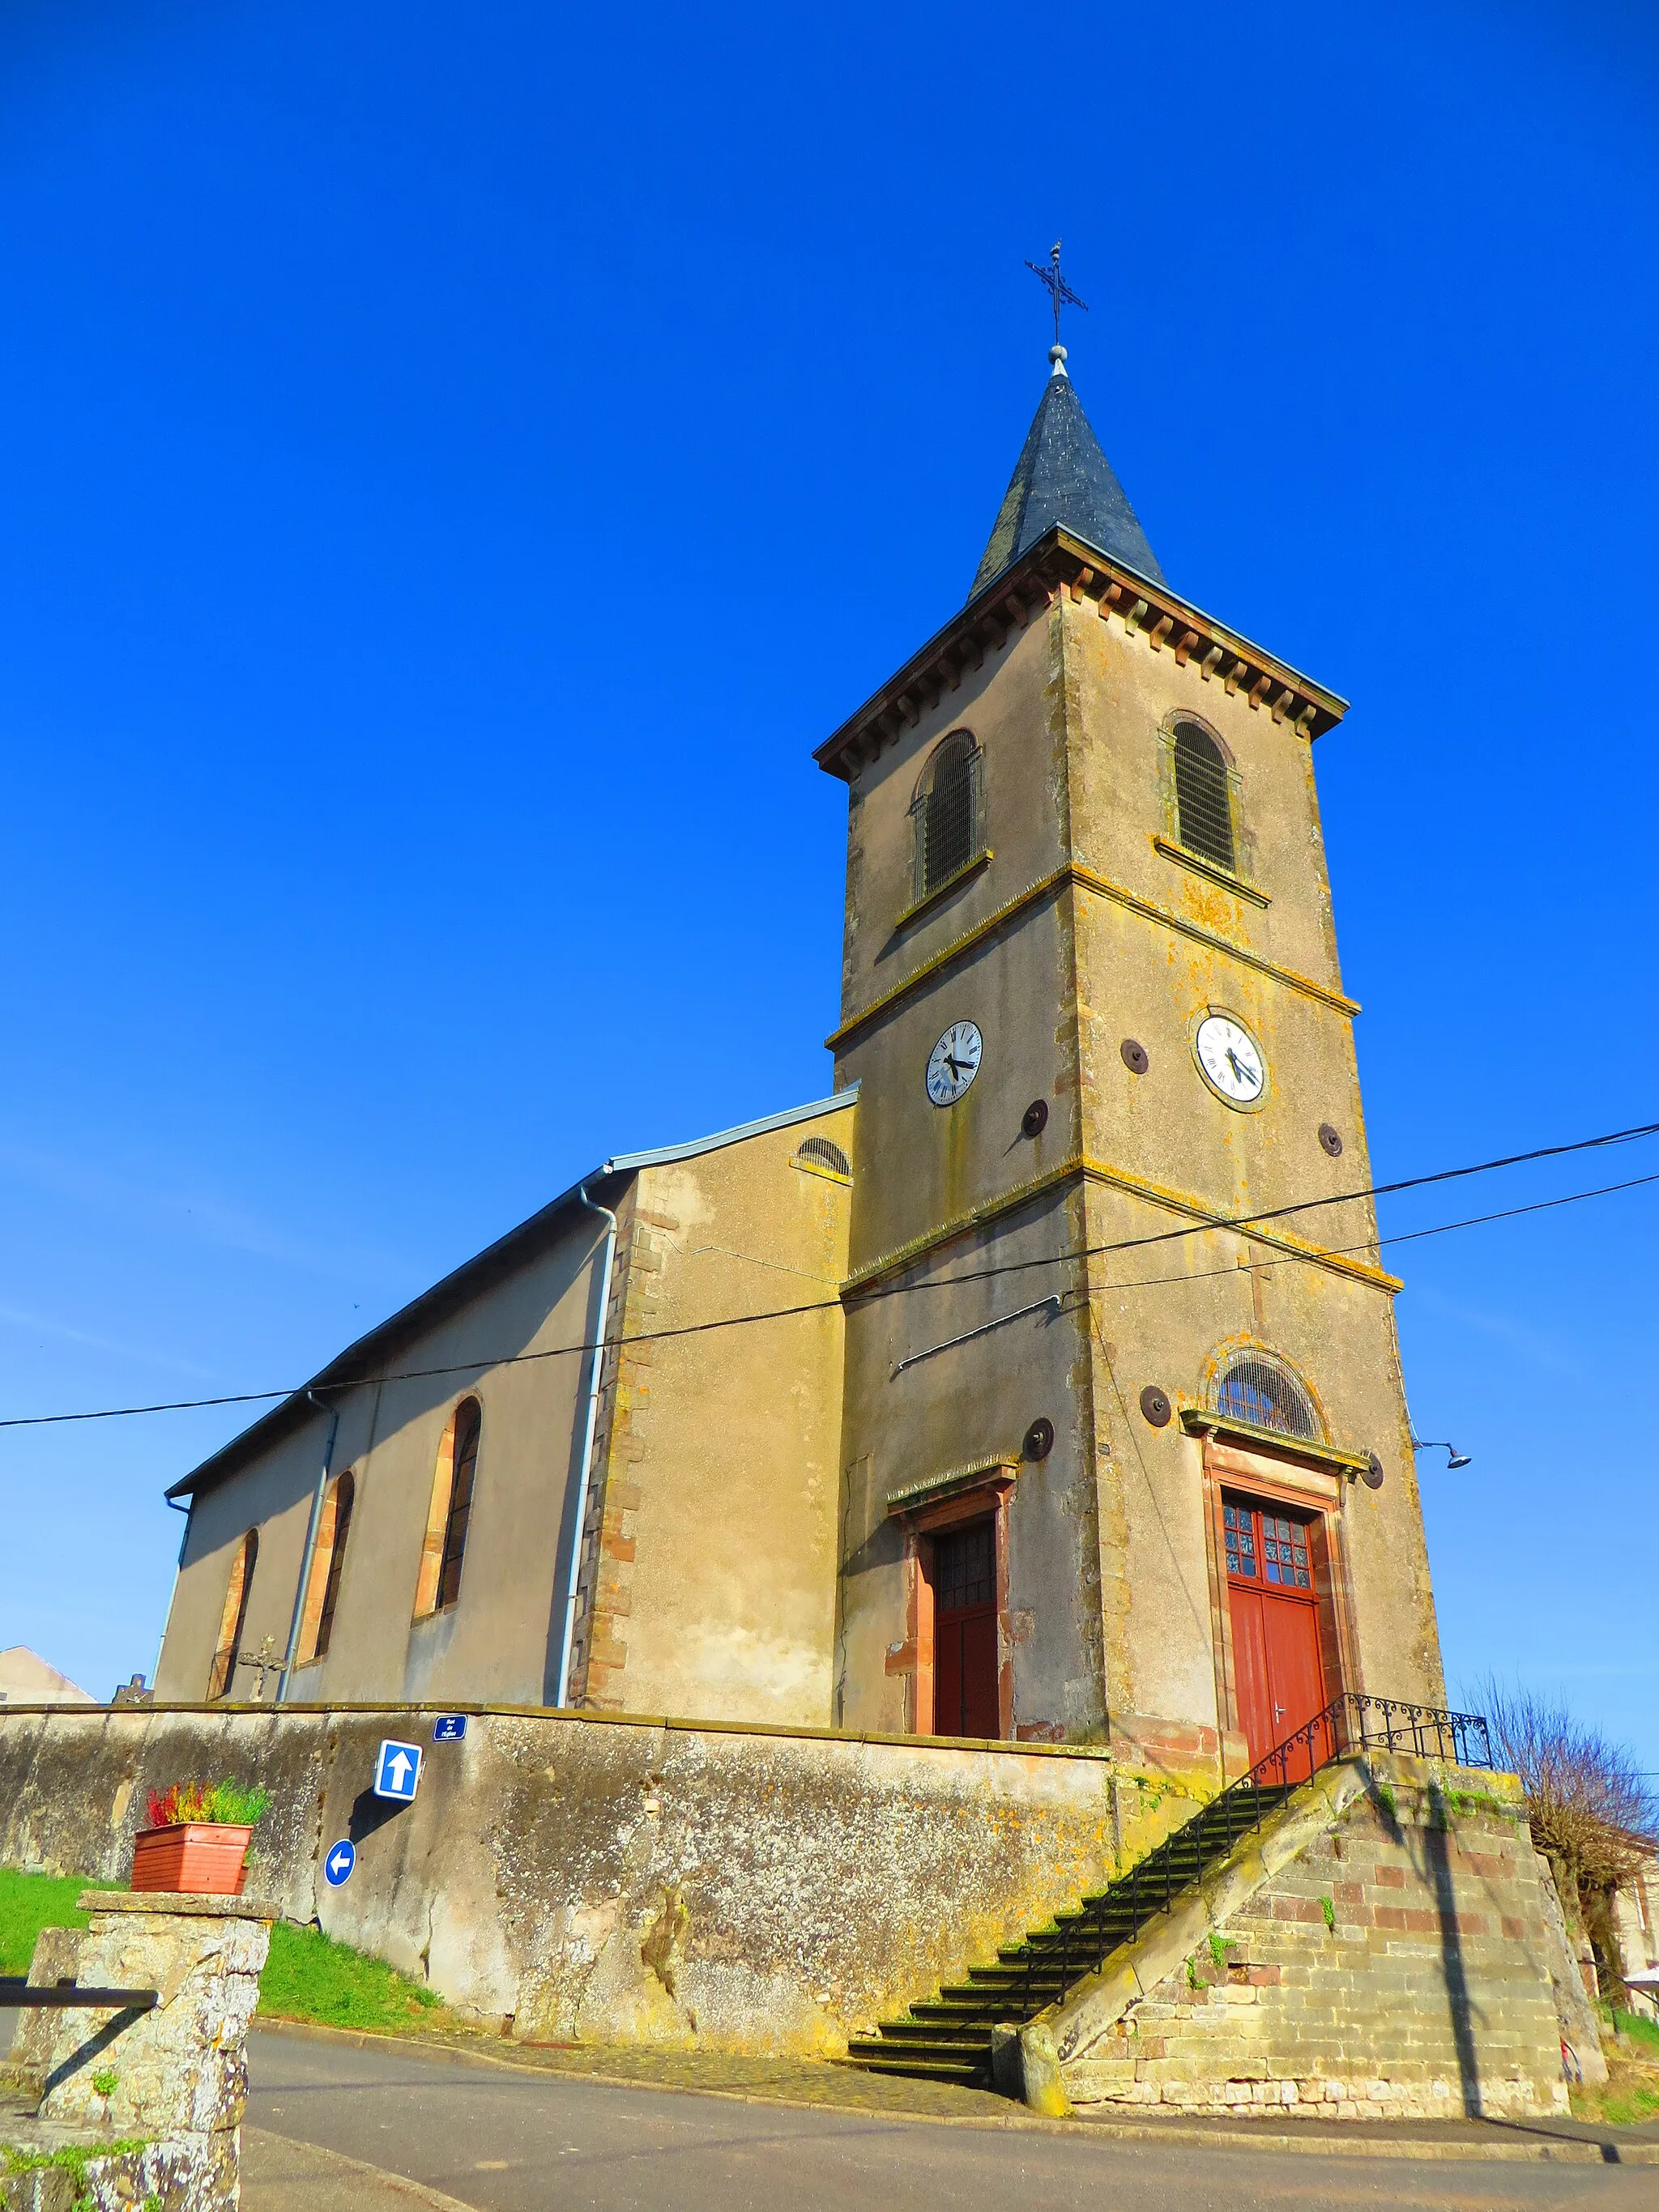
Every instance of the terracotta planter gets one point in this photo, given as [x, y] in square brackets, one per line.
[204, 1858]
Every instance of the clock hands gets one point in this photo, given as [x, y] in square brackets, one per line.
[1244, 1074]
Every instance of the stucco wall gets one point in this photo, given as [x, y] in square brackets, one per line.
[608, 1879]
[709, 1581]
[500, 1639]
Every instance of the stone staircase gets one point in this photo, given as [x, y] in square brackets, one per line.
[948, 2037]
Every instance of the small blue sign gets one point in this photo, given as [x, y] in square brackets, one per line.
[398, 1771]
[337, 1867]
[449, 1728]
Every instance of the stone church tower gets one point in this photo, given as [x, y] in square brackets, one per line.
[1125, 1453]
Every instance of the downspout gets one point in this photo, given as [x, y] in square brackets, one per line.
[595, 1375]
[187, 1509]
[318, 1495]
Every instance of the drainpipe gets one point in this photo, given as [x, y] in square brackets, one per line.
[318, 1495]
[595, 1372]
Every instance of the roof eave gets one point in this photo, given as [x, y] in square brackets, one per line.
[1060, 560]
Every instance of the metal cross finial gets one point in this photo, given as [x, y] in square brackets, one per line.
[1060, 292]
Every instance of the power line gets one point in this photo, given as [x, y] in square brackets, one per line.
[826, 1306]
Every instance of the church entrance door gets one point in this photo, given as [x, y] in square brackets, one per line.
[965, 1701]
[1275, 1623]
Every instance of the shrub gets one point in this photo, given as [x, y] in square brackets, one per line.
[220, 1802]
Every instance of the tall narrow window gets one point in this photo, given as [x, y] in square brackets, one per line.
[336, 1527]
[222, 1679]
[947, 828]
[1204, 812]
[467, 1423]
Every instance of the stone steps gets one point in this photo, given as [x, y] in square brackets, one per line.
[947, 2037]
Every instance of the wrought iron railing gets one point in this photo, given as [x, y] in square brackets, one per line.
[1082, 1944]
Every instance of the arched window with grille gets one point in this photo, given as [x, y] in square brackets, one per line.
[946, 811]
[823, 1156]
[222, 1678]
[451, 1511]
[326, 1567]
[1203, 795]
[1257, 1390]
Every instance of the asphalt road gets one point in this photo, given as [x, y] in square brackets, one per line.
[508, 2141]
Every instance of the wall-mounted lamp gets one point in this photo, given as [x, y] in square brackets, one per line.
[1453, 1457]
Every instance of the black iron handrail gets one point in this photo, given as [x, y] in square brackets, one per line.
[17, 1993]
[1350, 1723]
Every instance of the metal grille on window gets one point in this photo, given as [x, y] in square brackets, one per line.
[1256, 1391]
[964, 1567]
[948, 817]
[1204, 814]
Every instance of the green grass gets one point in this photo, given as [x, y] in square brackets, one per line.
[1644, 2033]
[30, 1902]
[309, 1977]
[306, 1976]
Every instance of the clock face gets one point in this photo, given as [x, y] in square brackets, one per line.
[1231, 1059]
[953, 1063]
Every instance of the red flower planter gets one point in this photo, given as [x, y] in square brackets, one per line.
[204, 1858]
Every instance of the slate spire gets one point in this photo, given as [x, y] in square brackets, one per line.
[1062, 476]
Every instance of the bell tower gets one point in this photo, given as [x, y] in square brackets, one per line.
[1125, 1453]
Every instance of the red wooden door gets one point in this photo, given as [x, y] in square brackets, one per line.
[965, 1700]
[1275, 1622]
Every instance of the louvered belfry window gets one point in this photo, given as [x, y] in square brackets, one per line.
[947, 817]
[1203, 812]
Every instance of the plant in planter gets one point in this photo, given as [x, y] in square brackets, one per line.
[198, 1838]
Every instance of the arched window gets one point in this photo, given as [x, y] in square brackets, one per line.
[324, 1595]
[442, 1554]
[1257, 1390]
[1204, 809]
[222, 1679]
[947, 812]
[468, 1421]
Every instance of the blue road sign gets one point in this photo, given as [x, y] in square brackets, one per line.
[337, 1867]
[398, 1771]
[449, 1728]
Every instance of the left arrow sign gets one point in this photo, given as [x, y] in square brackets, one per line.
[337, 1867]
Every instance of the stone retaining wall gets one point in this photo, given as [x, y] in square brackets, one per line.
[593, 1878]
[1384, 1947]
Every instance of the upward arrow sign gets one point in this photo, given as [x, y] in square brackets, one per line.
[397, 1768]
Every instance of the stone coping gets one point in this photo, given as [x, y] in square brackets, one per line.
[176, 1903]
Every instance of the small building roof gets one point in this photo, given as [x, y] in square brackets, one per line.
[1063, 477]
[26, 1679]
[359, 1361]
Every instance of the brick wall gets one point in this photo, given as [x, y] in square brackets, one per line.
[1398, 1964]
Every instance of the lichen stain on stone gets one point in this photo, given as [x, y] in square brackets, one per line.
[661, 1949]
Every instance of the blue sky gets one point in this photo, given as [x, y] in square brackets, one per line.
[458, 463]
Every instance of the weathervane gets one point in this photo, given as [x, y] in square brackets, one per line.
[1060, 295]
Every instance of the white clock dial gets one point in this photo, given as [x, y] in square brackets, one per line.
[1231, 1059]
[953, 1063]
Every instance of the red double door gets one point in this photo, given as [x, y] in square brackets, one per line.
[964, 1578]
[1274, 1609]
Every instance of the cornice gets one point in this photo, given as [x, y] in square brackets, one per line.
[1061, 561]
[1087, 879]
[1080, 1167]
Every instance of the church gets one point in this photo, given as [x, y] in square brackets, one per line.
[1039, 1383]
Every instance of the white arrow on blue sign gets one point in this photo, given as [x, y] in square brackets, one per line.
[398, 1774]
[449, 1728]
[337, 1867]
